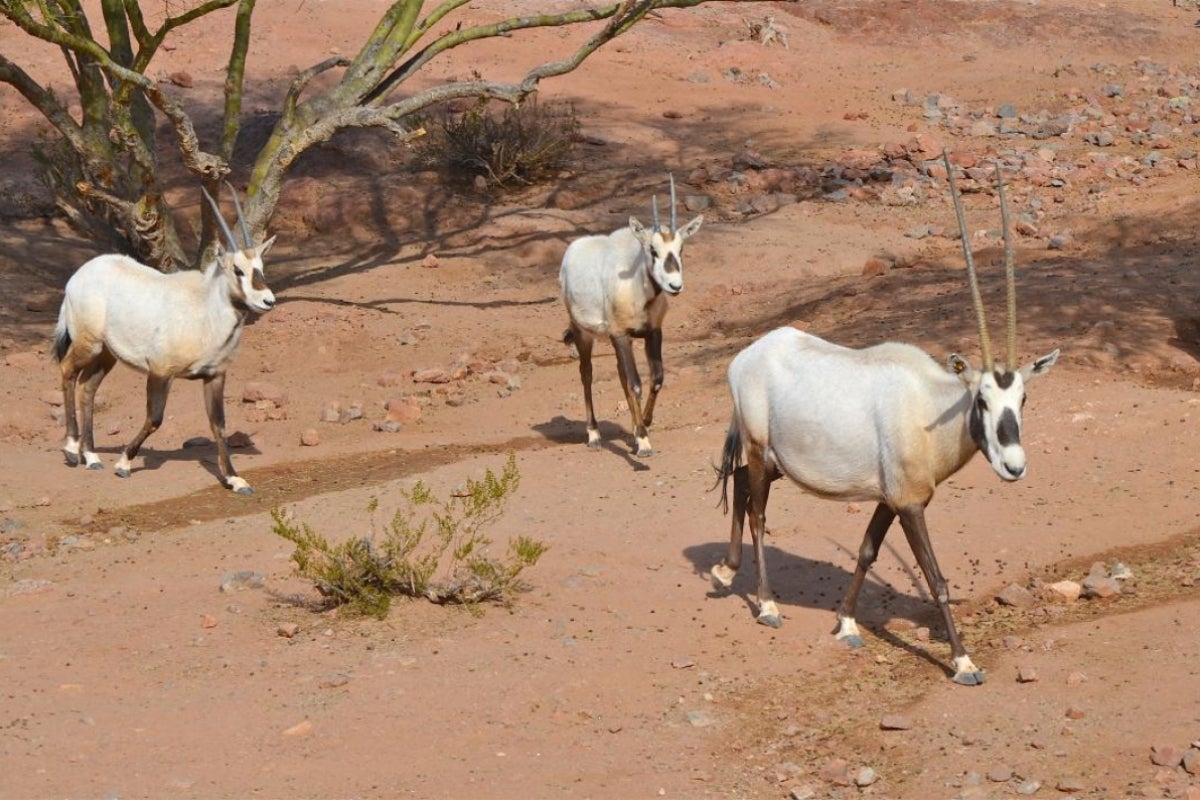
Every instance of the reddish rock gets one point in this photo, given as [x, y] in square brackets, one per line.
[1166, 755]
[181, 79]
[404, 410]
[895, 722]
[310, 437]
[875, 266]
[837, 772]
[261, 391]
[431, 375]
[239, 439]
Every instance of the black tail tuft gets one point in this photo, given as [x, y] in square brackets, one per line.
[62, 343]
[568, 336]
[731, 457]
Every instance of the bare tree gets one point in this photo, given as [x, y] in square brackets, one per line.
[106, 172]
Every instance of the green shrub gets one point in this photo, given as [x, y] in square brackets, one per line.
[520, 146]
[432, 548]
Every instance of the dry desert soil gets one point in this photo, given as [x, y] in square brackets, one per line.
[126, 671]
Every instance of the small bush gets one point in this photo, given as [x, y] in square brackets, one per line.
[432, 548]
[520, 146]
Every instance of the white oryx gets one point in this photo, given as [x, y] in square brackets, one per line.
[884, 424]
[180, 325]
[617, 286]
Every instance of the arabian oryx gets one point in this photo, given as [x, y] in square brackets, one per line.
[884, 424]
[181, 325]
[617, 286]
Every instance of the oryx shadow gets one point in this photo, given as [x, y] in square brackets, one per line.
[801, 582]
[561, 430]
[151, 459]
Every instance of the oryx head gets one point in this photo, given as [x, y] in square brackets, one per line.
[242, 266]
[997, 393]
[665, 247]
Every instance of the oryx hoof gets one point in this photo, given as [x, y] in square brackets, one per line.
[854, 640]
[120, 472]
[72, 458]
[721, 577]
[770, 620]
[969, 678]
[239, 485]
[593, 444]
[97, 465]
[644, 450]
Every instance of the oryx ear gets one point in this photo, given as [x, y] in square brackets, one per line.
[960, 367]
[691, 227]
[1039, 366]
[262, 249]
[639, 230]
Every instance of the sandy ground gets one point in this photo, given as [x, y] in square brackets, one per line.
[127, 672]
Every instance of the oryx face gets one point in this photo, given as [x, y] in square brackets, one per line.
[244, 271]
[997, 398]
[665, 251]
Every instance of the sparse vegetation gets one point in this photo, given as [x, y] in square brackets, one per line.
[518, 146]
[431, 548]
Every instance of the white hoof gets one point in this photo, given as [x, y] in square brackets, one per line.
[593, 439]
[848, 632]
[721, 576]
[644, 450]
[70, 450]
[966, 673]
[768, 614]
[92, 461]
[239, 485]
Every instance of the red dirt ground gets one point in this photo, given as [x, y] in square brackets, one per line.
[126, 672]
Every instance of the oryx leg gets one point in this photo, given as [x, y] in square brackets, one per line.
[913, 521]
[654, 343]
[70, 376]
[759, 479]
[722, 574]
[868, 551]
[583, 345]
[89, 380]
[156, 405]
[214, 402]
[631, 382]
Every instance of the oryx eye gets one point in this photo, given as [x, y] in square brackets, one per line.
[981, 404]
[654, 253]
[238, 271]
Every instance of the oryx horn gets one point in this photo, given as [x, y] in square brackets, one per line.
[674, 211]
[233, 248]
[1010, 282]
[654, 205]
[237, 206]
[985, 343]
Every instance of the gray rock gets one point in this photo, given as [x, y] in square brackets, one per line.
[243, 579]
[1017, 596]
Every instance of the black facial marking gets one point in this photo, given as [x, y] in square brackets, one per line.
[1008, 430]
[1005, 379]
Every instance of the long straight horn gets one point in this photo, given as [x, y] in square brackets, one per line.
[233, 248]
[674, 210]
[1010, 281]
[237, 206]
[985, 342]
[654, 205]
